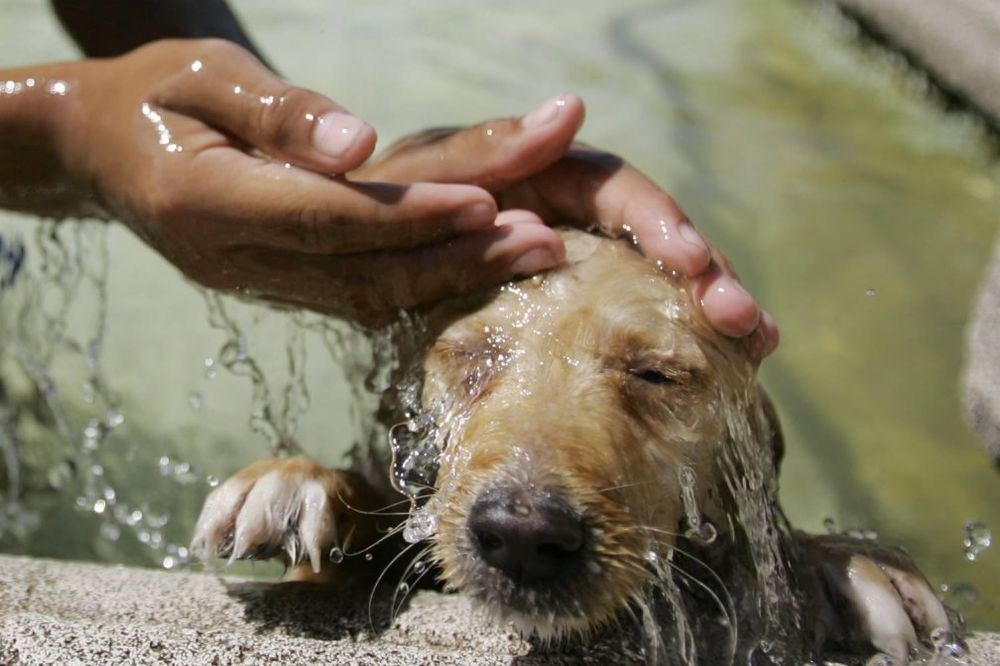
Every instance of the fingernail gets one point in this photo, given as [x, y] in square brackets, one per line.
[533, 261]
[546, 113]
[477, 216]
[336, 132]
[691, 235]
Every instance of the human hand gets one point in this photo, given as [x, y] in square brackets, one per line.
[586, 186]
[224, 169]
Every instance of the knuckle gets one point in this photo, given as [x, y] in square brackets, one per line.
[308, 230]
[216, 48]
[279, 120]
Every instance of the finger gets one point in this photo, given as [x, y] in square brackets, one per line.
[726, 304]
[764, 338]
[267, 204]
[592, 187]
[371, 288]
[493, 154]
[230, 89]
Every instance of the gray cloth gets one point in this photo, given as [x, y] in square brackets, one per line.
[75, 613]
[958, 41]
[981, 380]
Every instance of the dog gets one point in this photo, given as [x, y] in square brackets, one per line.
[579, 446]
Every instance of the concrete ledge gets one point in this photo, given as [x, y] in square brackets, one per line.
[956, 41]
[75, 613]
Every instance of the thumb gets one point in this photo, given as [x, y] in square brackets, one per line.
[228, 88]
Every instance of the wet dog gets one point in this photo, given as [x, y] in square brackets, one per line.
[584, 445]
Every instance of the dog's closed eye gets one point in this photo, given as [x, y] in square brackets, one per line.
[652, 376]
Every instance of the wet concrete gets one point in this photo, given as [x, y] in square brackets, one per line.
[61, 613]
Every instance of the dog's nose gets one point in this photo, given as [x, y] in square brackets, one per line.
[525, 536]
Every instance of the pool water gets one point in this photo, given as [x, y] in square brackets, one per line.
[858, 211]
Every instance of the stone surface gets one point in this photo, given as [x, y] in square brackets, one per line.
[76, 613]
[957, 41]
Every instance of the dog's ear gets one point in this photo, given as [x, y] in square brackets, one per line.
[771, 427]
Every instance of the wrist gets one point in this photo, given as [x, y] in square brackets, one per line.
[37, 136]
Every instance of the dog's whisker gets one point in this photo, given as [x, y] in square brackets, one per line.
[622, 486]
[727, 611]
[375, 512]
[418, 559]
[388, 535]
[378, 581]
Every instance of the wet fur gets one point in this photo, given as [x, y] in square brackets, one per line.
[601, 383]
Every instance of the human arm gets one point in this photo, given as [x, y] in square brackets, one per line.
[230, 173]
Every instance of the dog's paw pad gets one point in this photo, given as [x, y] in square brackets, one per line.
[279, 508]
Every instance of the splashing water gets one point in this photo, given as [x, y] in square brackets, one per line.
[421, 525]
[978, 539]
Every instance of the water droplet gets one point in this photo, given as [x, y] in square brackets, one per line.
[196, 400]
[110, 531]
[418, 567]
[686, 476]
[870, 292]
[830, 525]
[114, 418]
[336, 555]
[977, 539]
[169, 561]
[960, 595]
[403, 588]
[99, 506]
[945, 644]
[420, 525]
[211, 369]
[97, 470]
[652, 557]
[708, 533]
[369, 557]
[157, 521]
[212, 480]
[91, 435]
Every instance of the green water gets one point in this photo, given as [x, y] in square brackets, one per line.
[858, 212]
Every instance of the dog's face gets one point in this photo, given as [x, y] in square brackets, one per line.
[585, 412]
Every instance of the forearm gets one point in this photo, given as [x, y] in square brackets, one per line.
[106, 28]
[36, 104]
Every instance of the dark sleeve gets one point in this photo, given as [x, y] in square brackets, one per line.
[104, 28]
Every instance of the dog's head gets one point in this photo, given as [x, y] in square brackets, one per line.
[586, 413]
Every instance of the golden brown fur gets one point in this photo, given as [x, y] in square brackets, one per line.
[598, 386]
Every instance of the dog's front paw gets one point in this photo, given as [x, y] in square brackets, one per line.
[284, 507]
[859, 592]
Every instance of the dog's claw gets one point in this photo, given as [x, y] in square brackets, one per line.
[281, 506]
[888, 602]
[877, 601]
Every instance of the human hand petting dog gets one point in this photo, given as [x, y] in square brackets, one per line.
[238, 179]
[582, 186]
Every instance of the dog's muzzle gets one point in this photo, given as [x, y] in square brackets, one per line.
[533, 538]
